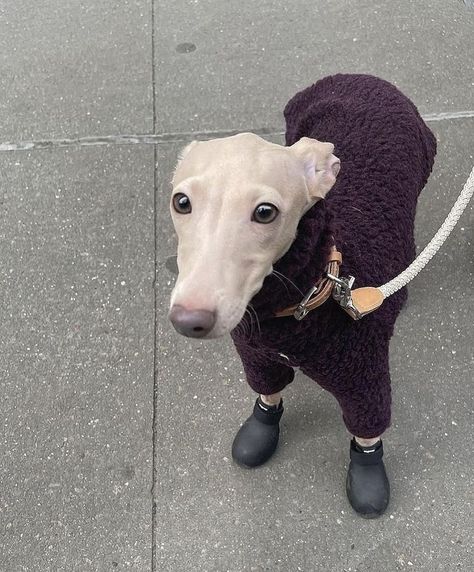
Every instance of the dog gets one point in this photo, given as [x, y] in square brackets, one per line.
[256, 225]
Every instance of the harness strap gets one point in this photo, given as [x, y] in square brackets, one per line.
[319, 293]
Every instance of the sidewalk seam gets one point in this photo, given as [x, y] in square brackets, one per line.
[176, 137]
[155, 325]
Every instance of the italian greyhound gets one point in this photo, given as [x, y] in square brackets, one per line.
[245, 209]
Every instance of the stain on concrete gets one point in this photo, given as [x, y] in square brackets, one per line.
[185, 48]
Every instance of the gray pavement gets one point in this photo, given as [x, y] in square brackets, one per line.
[116, 432]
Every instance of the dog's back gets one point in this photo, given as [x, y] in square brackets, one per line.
[386, 152]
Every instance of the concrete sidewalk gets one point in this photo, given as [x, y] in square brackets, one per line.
[115, 448]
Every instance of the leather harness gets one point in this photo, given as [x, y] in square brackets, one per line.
[357, 303]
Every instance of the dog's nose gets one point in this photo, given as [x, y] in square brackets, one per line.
[192, 323]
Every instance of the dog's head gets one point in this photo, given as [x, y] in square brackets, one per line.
[236, 204]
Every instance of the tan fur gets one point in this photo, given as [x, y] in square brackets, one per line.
[224, 256]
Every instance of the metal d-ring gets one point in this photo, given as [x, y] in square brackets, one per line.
[342, 292]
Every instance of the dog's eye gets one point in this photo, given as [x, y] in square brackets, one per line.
[181, 203]
[265, 213]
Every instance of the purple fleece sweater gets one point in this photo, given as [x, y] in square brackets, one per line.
[386, 153]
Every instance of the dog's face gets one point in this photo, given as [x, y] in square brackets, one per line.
[236, 204]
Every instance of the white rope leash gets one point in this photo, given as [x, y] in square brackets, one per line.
[435, 243]
[362, 301]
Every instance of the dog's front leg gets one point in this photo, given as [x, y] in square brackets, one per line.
[271, 400]
[367, 442]
[257, 439]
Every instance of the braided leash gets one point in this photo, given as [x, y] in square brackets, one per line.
[362, 301]
[435, 243]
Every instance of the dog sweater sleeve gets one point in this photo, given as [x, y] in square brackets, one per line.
[264, 375]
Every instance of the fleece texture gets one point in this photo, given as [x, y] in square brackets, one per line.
[386, 153]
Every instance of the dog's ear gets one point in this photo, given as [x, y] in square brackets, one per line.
[320, 165]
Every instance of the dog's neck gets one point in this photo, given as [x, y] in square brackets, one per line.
[303, 264]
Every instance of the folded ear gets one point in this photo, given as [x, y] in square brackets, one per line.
[320, 165]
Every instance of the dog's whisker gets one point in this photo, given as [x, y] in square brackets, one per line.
[256, 317]
[258, 321]
[239, 328]
[279, 275]
[251, 327]
[242, 327]
[245, 329]
[245, 326]
[286, 287]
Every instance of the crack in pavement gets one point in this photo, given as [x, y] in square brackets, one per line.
[136, 139]
[165, 138]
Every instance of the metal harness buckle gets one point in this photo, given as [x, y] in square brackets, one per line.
[342, 293]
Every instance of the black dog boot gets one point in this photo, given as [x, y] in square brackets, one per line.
[257, 439]
[367, 484]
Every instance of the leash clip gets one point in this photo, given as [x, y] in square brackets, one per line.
[342, 293]
[302, 309]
